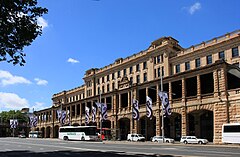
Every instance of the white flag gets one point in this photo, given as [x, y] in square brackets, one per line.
[13, 123]
[135, 111]
[149, 107]
[93, 114]
[165, 103]
[104, 111]
[86, 114]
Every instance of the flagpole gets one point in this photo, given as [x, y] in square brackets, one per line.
[100, 117]
[162, 110]
[13, 124]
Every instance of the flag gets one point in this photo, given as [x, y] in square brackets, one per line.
[165, 103]
[149, 107]
[35, 121]
[59, 113]
[13, 123]
[102, 106]
[135, 110]
[98, 105]
[31, 118]
[104, 111]
[63, 117]
[93, 114]
[86, 114]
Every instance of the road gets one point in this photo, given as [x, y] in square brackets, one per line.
[11, 147]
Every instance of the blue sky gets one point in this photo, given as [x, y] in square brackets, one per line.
[83, 34]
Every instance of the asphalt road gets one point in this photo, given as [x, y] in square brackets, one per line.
[12, 147]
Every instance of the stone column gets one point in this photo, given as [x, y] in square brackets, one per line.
[184, 121]
[198, 87]
[183, 90]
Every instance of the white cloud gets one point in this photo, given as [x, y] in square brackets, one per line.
[42, 22]
[6, 78]
[12, 101]
[38, 106]
[71, 60]
[40, 81]
[196, 6]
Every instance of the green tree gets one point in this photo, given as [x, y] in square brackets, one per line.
[18, 28]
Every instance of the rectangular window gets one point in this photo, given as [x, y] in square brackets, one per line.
[137, 67]
[144, 65]
[197, 63]
[158, 59]
[162, 71]
[154, 60]
[108, 88]
[113, 86]
[155, 73]
[113, 76]
[235, 52]
[124, 72]
[177, 68]
[130, 70]
[107, 77]
[158, 72]
[209, 59]
[221, 55]
[187, 65]
[98, 81]
[119, 74]
[131, 80]
[103, 79]
[103, 90]
[145, 77]
[98, 90]
[138, 79]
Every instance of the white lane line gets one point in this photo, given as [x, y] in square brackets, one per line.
[87, 149]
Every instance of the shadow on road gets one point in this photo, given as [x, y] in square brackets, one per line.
[73, 154]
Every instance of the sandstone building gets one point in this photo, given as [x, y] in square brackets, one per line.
[202, 82]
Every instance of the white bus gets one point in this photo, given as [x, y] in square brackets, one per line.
[35, 134]
[83, 133]
[231, 133]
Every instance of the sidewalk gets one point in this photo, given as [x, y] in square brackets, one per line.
[175, 143]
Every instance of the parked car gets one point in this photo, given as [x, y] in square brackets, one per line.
[135, 137]
[22, 136]
[193, 139]
[160, 139]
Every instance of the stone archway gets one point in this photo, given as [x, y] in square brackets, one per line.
[147, 127]
[48, 132]
[174, 126]
[106, 124]
[75, 124]
[56, 129]
[124, 128]
[43, 132]
[200, 124]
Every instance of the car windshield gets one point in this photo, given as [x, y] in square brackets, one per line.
[140, 135]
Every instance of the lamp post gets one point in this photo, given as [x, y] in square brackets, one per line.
[101, 115]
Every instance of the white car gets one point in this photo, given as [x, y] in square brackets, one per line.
[135, 137]
[160, 139]
[192, 140]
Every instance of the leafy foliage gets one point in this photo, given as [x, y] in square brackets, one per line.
[18, 28]
[6, 116]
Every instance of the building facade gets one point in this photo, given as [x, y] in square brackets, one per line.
[201, 81]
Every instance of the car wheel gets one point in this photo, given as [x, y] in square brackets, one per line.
[200, 142]
[167, 141]
[185, 142]
[65, 138]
